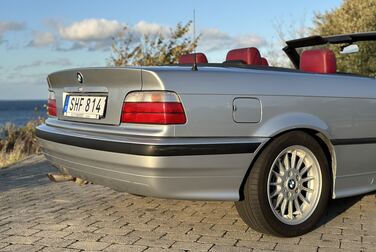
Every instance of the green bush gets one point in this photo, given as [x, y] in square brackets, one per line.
[17, 143]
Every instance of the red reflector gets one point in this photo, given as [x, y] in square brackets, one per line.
[153, 113]
[51, 107]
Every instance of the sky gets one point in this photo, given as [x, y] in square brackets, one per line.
[42, 36]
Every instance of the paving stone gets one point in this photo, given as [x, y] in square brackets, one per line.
[181, 237]
[216, 240]
[294, 247]
[118, 247]
[53, 227]
[357, 246]
[270, 238]
[147, 235]
[207, 231]
[52, 234]
[53, 249]
[115, 231]
[222, 248]
[73, 229]
[194, 246]
[369, 239]
[321, 243]
[3, 244]
[20, 231]
[22, 248]
[243, 235]
[160, 243]
[18, 239]
[235, 228]
[55, 242]
[89, 245]
[174, 230]
[152, 249]
[339, 250]
[142, 227]
[121, 239]
[256, 244]
[333, 237]
[84, 236]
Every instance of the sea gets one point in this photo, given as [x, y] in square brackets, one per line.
[22, 111]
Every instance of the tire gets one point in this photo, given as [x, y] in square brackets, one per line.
[276, 179]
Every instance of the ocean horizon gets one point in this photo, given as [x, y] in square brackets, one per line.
[19, 112]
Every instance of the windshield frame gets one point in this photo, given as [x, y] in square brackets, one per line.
[293, 45]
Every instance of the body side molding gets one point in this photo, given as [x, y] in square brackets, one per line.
[149, 150]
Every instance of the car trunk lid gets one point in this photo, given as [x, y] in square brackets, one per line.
[112, 83]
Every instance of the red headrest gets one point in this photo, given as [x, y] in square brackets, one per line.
[318, 61]
[190, 58]
[250, 56]
[264, 62]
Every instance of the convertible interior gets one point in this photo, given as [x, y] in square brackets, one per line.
[314, 60]
[318, 60]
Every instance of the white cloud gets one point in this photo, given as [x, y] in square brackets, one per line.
[146, 28]
[96, 34]
[6, 26]
[41, 39]
[90, 30]
[213, 39]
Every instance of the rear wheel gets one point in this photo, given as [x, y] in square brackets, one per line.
[288, 187]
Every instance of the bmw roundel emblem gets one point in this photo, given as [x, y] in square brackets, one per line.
[80, 77]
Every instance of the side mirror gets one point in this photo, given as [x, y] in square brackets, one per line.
[349, 49]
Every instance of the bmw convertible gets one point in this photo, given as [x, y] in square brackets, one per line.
[279, 142]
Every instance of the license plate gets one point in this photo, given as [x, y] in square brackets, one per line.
[82, 106]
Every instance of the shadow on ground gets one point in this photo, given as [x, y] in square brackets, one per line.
[30, 173]
[338, 206]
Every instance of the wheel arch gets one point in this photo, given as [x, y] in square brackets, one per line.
[320, 136]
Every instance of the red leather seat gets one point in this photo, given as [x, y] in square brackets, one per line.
[250, 56]
[318, 61]
[190, 58]
[264, 62]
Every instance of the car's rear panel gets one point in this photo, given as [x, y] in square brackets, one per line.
[114, 83]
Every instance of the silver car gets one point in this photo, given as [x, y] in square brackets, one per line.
[279, 142]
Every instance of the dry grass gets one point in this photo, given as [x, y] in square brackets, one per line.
[18, 143]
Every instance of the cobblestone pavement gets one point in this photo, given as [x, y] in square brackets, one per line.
[38, 215]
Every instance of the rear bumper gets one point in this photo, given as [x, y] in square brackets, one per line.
[180, 168]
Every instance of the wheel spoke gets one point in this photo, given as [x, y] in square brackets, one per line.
[293, 159]
[290, 210]
[276, 183]
[300, 162]
[305, 169]
[276, 192]
[297, 206]
[277, 174]
[307, 179]
[286, 162]
[283, 206]
[282, 168]
[304, 199]
[307, 189]
[279, 200]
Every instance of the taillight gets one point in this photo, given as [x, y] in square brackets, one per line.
[153, 108]
[51, 104]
